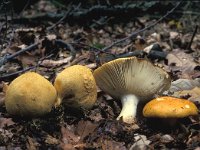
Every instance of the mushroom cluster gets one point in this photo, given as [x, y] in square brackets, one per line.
[76, 87]
[30, 95]
[131, 80]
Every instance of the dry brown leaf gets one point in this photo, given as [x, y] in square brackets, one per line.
[166, 138]
[67, 147]
[182, 62]
[184, 84]
[85, 128]
[51, 140]
[141, 142]
[5, 122]
[68, 136]
[112, 145]
[27, 60]
[31, 144]
[194, 94]
[55, 63]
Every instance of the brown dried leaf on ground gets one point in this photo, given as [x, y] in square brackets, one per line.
[112, 145]
[6, 122]
[51, 140]
[85, 128]
[31, 144]
[141, 142]
[27, 60]
[194, 94]
[186, 88]
[69, 138]
[181, 62]
[184, 84]
[55, 63]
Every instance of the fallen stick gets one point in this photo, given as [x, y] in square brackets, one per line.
[132, 35]
[6, 58]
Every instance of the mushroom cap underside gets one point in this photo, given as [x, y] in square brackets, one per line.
[30, 95]
[132, 76]
[169, 107]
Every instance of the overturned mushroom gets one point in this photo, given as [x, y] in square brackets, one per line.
[131, 80]
[76, 87]
[30, 95]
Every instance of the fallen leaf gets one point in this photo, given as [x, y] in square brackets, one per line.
[141, 142]
[27, 60]
[112, 145]
[67, 147]
[55, 63]
[179, 61]
[31, 144]
[51, 140]
[68, 136]
[5, 122]
[85, 128]
[194, 94]
[184, 84]
[166, 138]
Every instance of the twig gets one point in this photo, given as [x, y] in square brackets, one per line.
[62, 19]
[67, 45]
[16, 73]
[139, 31]
[193, 35]
[24, 70]
[59, 21]
[9, 57]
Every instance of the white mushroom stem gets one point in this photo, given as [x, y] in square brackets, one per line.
[129, 108]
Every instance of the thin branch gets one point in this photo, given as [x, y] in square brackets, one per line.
[17, 72]
[24, 70]
[193, 35]
[139, 31]
[9, 57]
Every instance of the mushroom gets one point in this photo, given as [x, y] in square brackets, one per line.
[131, 80]
[169, 109]
[76, 87]
[30, 95]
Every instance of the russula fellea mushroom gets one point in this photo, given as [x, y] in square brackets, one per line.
[170, 109]
[131, 80]
[76, 87]
[30, 95]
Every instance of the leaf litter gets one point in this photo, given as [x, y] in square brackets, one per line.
[97, 128]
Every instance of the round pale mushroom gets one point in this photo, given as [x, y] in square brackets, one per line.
[76, 87]
[169, 107]
[131, 80]
[30, 95]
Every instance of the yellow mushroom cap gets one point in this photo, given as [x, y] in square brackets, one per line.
[169, 107]
[76, 87]
[30, 95]
[131, 75]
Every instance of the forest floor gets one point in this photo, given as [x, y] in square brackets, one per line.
[53, 47]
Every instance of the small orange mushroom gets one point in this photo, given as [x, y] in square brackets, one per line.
[169, 108]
